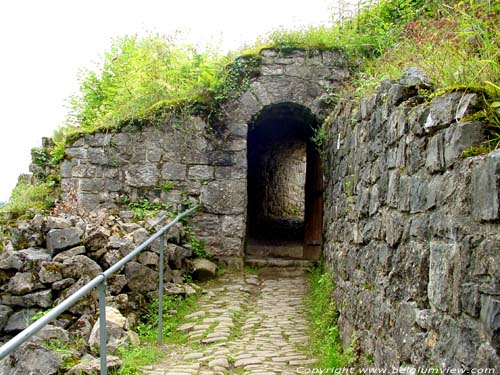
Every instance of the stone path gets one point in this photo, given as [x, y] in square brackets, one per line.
[245, 325]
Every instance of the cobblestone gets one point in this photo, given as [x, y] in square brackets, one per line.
[247, 324]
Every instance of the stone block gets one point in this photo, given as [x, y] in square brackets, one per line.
[173, 171]
[418, 194]
[448, 108]
[50, 272]
[80, 266]
[484, 188]
[444, 276]
[23, 283]
[490, 317]
[120, 139]
[5, 313]
[98, 139]
[224, 197]
[97, 156]
[41, 298]
[460, 137]
[61, 239]
[394, 227]
[233, 226]
[141, 278]
[435, 161]
[92, 184]
[84, 171]
[201, 172]
[470, 299]
[66, 168]
[393, 189]
[139, 175]
[405, 184]
[76, 152]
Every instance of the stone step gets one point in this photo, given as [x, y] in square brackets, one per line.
[275, 251]
[279, 267]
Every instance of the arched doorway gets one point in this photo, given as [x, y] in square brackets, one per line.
[285, 184]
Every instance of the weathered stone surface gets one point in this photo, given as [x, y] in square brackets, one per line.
[56, 222]
[80, 266]
[115, 330]
[20, 320]
[5, 313]
[51, 333]
[64, 255]
[202, 269]
[425, 254]
[490, 316]
[460, 137]
[224, 197]
[448, 108]
[484, 188]
[149, 259]
[414, 77]
[141, 278]
[50, 272]
[176, 255]
[41, 298]
[86, 305]
[63, 284]
[61, 239]
[23, 283]
[142, 175]
[32, 258]
[34, 359]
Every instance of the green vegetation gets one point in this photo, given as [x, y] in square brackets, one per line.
[144, 208]
[140, 77]
[67, 351]
[27, 199]
[325, 335]
[175, 308]
[198, 247]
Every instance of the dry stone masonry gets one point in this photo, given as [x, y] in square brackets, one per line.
[411, 227]
[49, 258]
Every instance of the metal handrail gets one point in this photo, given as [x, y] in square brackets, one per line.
[99, 282]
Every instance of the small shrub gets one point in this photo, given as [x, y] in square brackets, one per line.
[27, 199]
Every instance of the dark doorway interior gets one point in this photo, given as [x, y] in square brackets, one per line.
[285, 183]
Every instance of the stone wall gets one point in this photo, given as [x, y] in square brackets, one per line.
[169, 163]
[186, 158]
[412, 230]
[284, 175]
[280, 180]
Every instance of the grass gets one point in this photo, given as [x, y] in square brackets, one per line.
[27, 199]
[326, 341]
[135, 357]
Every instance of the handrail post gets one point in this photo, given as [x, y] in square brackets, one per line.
[160, 288]
[102, 326]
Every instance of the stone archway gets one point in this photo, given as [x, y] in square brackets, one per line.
[294, 85]
[284, 184]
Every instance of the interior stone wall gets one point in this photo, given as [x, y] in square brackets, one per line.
[283, 176]
[412, 232]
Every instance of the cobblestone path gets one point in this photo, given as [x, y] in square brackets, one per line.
[245, 325]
